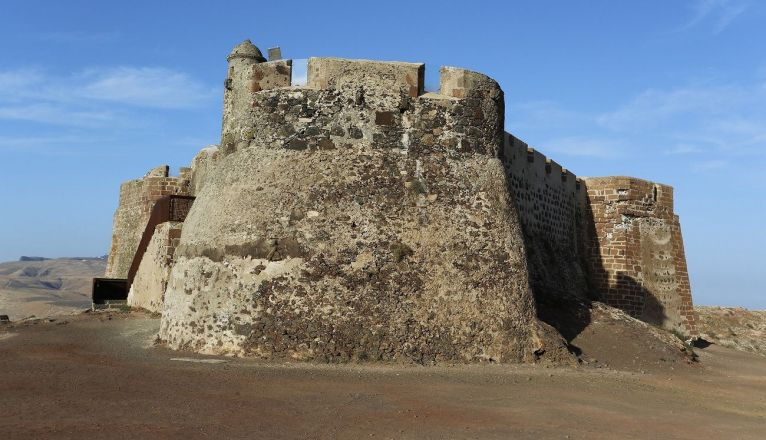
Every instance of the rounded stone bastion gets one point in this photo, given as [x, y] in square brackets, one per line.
[357, 218]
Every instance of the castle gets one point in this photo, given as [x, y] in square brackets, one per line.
[358, 217]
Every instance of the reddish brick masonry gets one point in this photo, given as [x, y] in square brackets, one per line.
[635, 251]
[137, 198]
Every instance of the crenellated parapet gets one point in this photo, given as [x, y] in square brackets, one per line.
[548, 195]
[550, 203]
[379, 79]
[381, 103]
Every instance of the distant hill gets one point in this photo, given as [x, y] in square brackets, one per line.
[25, 258]
[47, 286]
[733, 327]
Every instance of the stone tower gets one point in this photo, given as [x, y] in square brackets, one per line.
[237, 92]
[356, 217]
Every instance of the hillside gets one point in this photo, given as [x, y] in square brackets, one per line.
[46, 287]
[733, 327]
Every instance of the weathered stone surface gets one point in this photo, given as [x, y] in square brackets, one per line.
[271, 75]
[202, 166]
[316, 243]
[237, 89]
[275, 54]
[615, 239]
[378, 79]
[150, 282]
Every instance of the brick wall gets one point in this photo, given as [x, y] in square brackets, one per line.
[137, 197]
[686, 311]
[635, 252]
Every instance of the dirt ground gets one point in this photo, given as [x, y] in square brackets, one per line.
[98, 376]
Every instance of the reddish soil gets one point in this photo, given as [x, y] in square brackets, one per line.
[98, 376]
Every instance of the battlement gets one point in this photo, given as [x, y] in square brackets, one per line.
[383, 103]
[522, 157]
[250, 72]
[550, 202]
[635, 196]
[385, 77]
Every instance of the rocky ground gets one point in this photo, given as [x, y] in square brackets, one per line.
[734, 327]
[47, 287]
[98, 375]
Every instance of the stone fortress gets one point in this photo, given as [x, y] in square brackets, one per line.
[358, 217]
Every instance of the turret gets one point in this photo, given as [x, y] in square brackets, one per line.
[245, 50]
[236, 91]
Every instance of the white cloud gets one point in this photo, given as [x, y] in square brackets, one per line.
[584, 146]
[145, 87]
[727, 118]
[151, 87]
[683, 149]
[653, 107]
[96, 96]
[709, 165]
[46, 113]
[50, 144]
[718, 14]
[710, 119]
[14, 83]
[56, 114]
[541, 113]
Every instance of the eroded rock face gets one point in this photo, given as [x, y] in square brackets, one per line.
[357, 222]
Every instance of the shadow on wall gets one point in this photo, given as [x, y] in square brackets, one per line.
[570, 315]
[568, 308]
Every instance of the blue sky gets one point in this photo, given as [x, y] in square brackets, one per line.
[93, 93]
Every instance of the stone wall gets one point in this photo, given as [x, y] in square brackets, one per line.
[636, 256]
[616, 239]
[362, 220]
[550, 201]
[396, 78]
[150, 282]
[137, 197]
